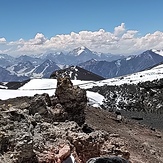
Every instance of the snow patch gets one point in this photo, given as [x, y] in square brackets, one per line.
[80, 51]
[127, 59]
[82, 48]
[118, 63]
[3, 87]
[38, 84]
[62, 66]
[7, 94]
[95, 98]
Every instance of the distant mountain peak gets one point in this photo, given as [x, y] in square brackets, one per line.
[78, 51]
[48, 61]
[150, 54]
[82, 47]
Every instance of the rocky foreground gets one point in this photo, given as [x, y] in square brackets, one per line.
[35, 130]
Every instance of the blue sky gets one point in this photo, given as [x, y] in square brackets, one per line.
[25, 19]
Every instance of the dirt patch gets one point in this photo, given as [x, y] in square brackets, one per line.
[144, 144]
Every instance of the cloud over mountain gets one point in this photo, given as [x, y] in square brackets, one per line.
[120, 41]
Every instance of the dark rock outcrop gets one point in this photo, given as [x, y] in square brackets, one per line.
[72, 100]
[145, 97]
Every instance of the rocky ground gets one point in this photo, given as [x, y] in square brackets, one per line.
[35, 129]
[143, 97]
[144, 144]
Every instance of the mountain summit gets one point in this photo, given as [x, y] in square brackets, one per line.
[79, 51]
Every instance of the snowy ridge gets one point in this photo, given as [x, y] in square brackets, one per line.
[38, 84]
[124, 66]
[143, 76]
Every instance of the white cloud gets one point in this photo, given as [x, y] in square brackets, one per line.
[119, 30]
[129, 34]
[121, 41]
[2, 40]
[38, 40]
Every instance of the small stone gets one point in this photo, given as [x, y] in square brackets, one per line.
[55, 123]
[11, 155]
[159, 136]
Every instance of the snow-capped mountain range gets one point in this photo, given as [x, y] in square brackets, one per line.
[152, 74]
[25, 67]
[77, 56]
[105, 65]
[124, 66]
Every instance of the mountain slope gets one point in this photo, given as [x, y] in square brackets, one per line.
[45, 69]
[123, 66]
[21, 68]
[128, 138]
[143, 143]
[6, 76]
[25, 58]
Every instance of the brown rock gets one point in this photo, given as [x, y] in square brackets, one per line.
[72, 98]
